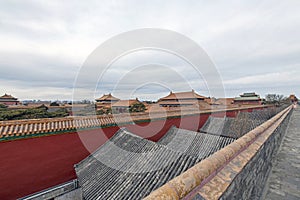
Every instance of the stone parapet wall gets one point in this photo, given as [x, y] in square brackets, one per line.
[250, 182]
[227, 173]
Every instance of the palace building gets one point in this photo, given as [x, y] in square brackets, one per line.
[225, 101]
[8, 100]
[248, 98]
[181, 99]
[123, 106]
[106, 101]
[293, 98]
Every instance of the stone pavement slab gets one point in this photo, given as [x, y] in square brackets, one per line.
[284, 180]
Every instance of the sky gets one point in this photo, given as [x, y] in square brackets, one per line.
[254, 45]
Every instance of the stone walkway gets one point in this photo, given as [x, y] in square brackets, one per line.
[284, 180]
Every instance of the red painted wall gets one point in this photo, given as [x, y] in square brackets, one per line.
[8, 103]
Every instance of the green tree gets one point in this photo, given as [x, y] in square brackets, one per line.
[137, 107]
[2, 106]
[276, 99]
[43, 107]
[108, 111]
[62, 112]
[32, 113]
[54, 103]
[100, 112]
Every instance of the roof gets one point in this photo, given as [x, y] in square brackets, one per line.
[8, 96]
[107, 97]
[195, 103]
[222, 127]
[211, 101]
[293, 97]
[129, 167]
[221, 169]
[103, 104]
[125, 103]
[199, 145]
[204, 105]
[182, 95]
[187, 102]
[254, 98]
[235, 127]
[225, 101]
[249, 94]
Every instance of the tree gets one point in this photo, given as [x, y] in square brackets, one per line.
[274, 99]
[100, 112]
[137, 107]
[42, 107]
[54, 104]
[3, 106]
[108, 111]
[62, 112]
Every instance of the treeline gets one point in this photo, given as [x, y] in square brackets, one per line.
[277, 99]
[30, 113]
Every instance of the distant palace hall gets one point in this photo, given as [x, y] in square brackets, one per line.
[180, 99]
[7, 99]
[106, 101]
[248, 98]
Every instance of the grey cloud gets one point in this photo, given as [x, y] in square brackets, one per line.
[245, 38]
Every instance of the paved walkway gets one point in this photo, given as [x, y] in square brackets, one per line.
[284, 180]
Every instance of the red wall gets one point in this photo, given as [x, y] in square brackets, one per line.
[8, 103]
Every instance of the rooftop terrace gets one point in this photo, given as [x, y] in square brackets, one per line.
[284, 180]
[195, 148]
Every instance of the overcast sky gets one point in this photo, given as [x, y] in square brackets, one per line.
[255, 46]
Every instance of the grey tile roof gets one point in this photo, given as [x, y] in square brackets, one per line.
[214, 125]
[199, 145]
[230, 127]
[129, 167]
[240, 125]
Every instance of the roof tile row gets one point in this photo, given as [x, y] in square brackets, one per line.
[130, 167]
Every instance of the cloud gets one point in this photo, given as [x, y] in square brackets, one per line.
[276, 78]
[255, 44]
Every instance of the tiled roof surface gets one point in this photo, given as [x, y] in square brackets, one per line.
[145, 166]
[212, 176]
[133, 176]
[225, 101]
[8, 96]
[187, 102]
[130, 167]
[211, 101]
[238, 126]
[107, 97]
[125, 103]
[196, 104]
[214, 125]
[182, 95]
[230, 127]
[199, 145]
[249, 94]
[247, 99]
